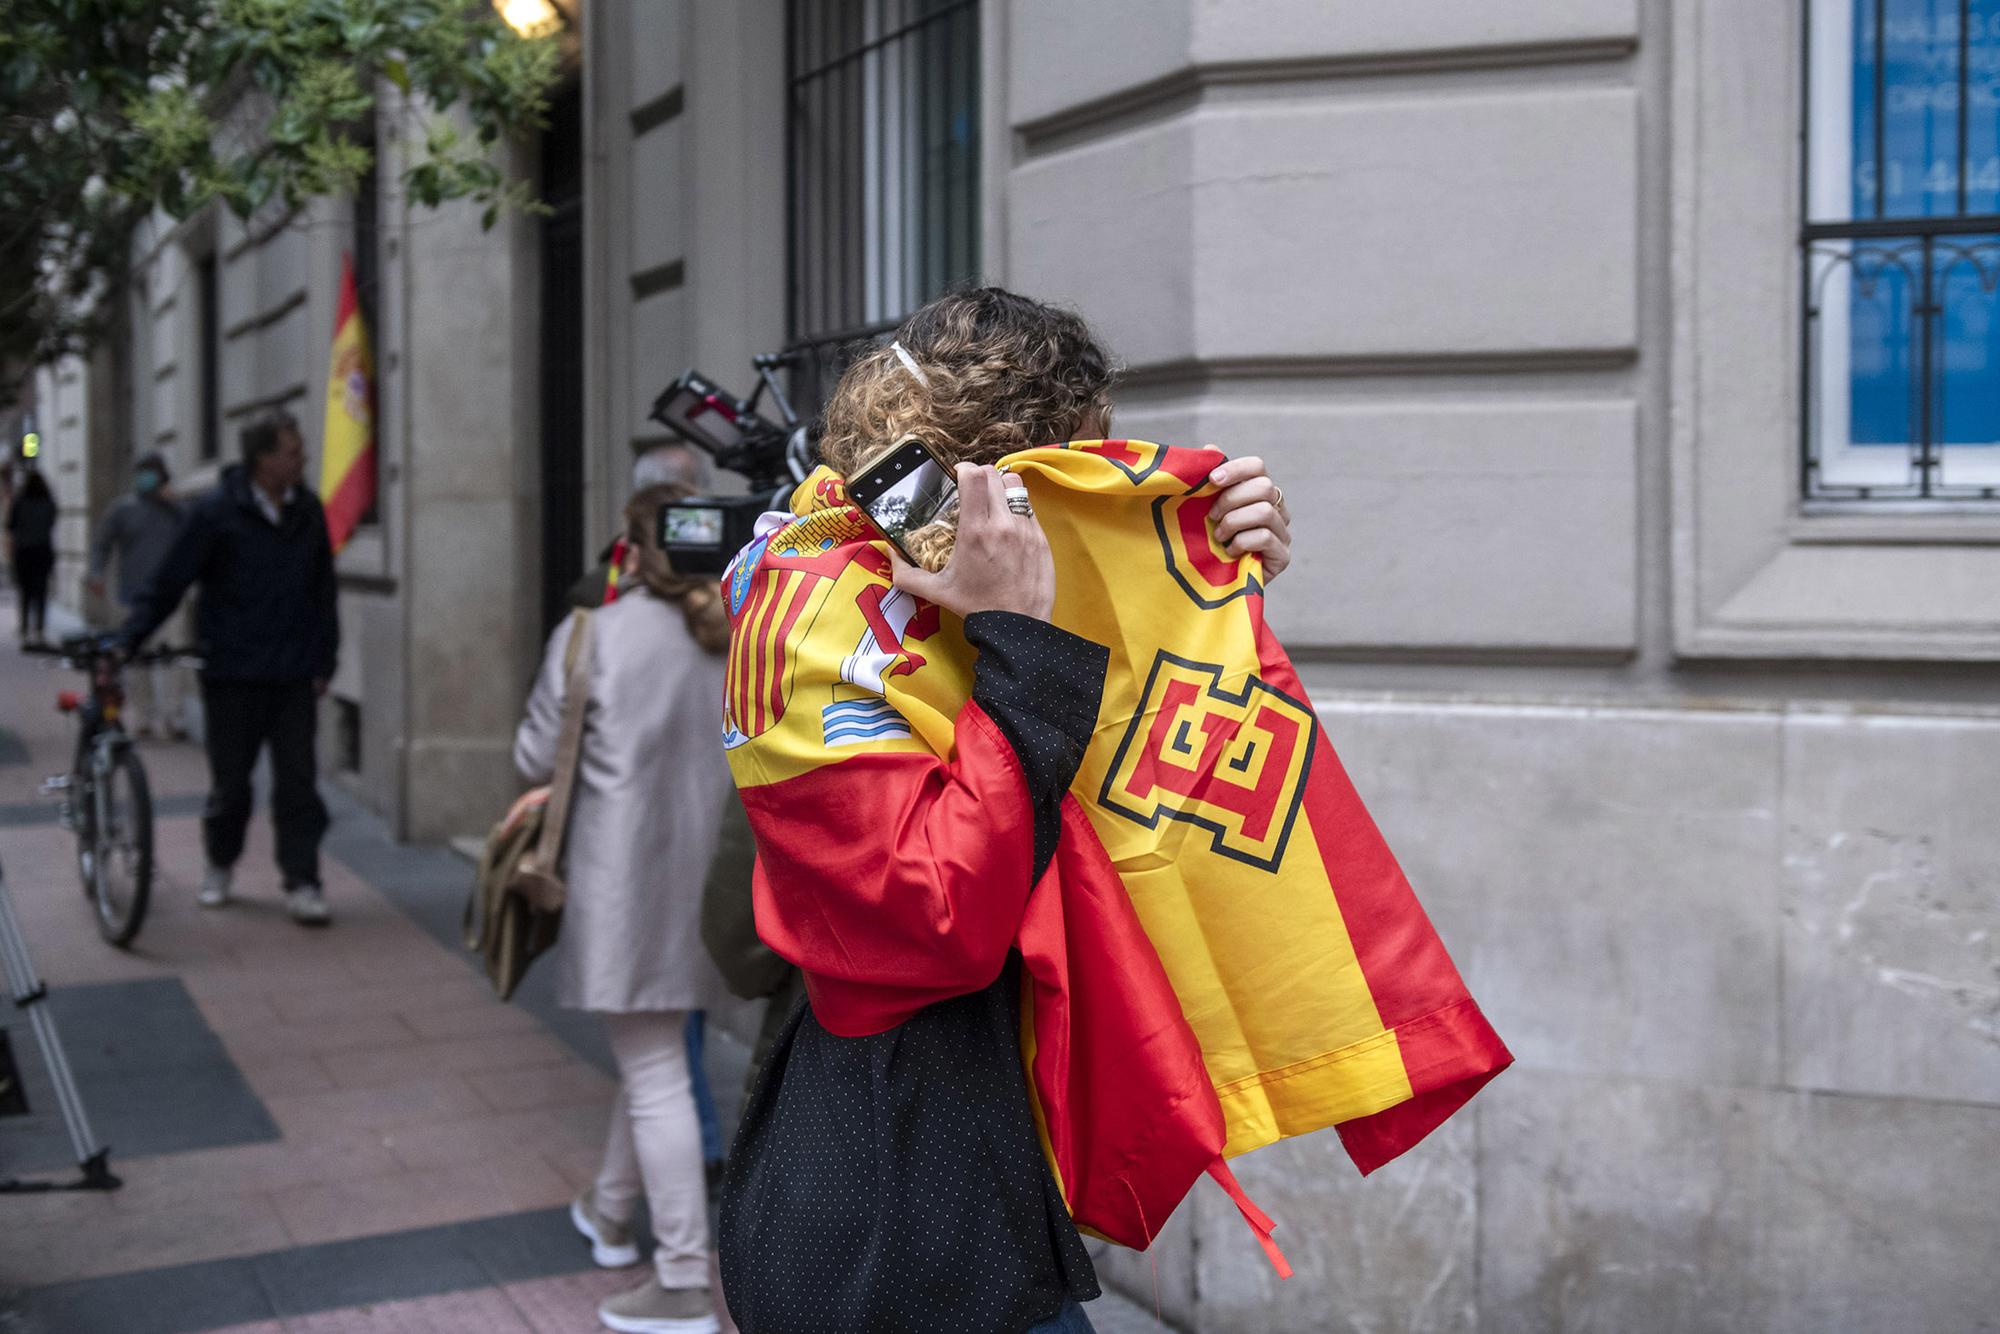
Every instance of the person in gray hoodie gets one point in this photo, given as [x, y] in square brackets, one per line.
[138, 530]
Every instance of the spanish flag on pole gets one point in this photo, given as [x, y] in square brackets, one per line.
[347, 460]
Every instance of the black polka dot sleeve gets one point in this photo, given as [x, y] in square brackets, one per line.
[1041, 685]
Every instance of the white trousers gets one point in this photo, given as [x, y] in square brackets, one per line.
[655, 1144]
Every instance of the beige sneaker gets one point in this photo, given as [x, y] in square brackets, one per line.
[652, 1309]
[611, 1244]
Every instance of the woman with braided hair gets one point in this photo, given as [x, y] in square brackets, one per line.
[888, 1176]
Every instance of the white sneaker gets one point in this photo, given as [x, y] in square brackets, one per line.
[214, 888]
[611, 1244]
[308, 906]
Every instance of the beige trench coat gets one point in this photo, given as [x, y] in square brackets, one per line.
[649, 794]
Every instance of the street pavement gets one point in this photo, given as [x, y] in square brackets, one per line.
[317, 1130]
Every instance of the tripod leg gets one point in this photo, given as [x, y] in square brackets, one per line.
[31, 994]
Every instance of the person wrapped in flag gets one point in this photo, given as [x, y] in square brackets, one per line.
[1084, 903]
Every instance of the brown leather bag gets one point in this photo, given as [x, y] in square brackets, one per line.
[515, 910]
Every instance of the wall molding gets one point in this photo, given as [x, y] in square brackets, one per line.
[267, 317]
[660, 278]
[1178, 91]
[255, 237]
[1199, 374]
[276, 398]
[650, 115]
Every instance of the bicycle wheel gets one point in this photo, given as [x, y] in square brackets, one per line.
[124, 844]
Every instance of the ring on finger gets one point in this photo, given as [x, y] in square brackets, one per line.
[1018, 502]
[1278, 499]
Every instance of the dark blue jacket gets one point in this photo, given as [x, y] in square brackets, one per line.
[268, 608]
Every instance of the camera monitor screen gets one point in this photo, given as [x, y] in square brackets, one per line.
[690, 526]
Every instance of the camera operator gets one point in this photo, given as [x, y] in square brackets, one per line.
[671, 464]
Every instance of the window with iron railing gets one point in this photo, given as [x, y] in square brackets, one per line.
[882, 187]
[1901, 250]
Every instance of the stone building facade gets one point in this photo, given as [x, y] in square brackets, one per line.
[1690, 746]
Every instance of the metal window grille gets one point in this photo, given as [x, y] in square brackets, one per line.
[882, 183]
[1900, 251]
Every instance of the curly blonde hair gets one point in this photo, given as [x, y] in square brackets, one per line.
[998, 373]
[699, 598]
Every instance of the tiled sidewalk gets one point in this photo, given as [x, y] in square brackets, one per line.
[388, 1147]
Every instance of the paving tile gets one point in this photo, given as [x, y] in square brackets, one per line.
[194, 1226]
[281, 962]
[332, 1032]
[343, 1209]
[519, 1247]
[578, 1164]
[410, 957]
[493, 1135]
[279, 1165]
[487, 1310]
[490, 1016]
[369, 1271]
[387, 995]
[567, 1303]
[306, 1115]
[286, 1075]
[231, 1008]
[582, 1123]
[373, 1067]
[217, 1297]
[518, 1090]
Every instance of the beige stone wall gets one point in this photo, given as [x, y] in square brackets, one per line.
[1506, 296]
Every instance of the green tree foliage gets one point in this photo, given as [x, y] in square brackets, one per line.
[111, 108]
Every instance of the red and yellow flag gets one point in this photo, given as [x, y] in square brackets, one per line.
[1224, 952]
[347, 460]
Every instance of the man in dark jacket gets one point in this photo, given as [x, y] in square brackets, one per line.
[258, 547]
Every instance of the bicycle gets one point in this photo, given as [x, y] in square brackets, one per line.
[105, 798]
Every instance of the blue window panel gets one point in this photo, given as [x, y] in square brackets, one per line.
[1919, 177]
[1966, 276]
[1885, 283]
[1919, 173]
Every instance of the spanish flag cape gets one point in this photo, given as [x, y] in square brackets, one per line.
[1222, 953]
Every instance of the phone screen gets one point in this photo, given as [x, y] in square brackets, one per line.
[903, 491]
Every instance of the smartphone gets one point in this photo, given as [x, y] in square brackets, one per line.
[904, 490]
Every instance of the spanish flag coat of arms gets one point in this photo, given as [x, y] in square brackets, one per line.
[1223, 951]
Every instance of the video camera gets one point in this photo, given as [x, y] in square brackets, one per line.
[701, 534]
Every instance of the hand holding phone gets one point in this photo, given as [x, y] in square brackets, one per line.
[1000, 560]
[904, 490]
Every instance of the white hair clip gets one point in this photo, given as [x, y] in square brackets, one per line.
[910, 364]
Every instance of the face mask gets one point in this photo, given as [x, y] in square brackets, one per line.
[146, 483]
